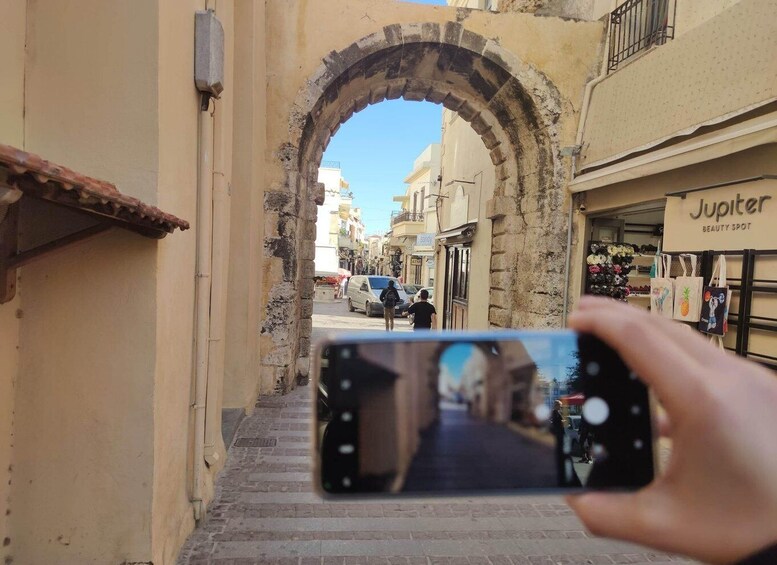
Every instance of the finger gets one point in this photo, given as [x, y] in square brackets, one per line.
[620, 516]
[694, 343]
[658, 359]
[663, 423]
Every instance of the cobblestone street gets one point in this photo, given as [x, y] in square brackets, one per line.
[265, 510]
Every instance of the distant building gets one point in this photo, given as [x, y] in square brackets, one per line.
[414, 226]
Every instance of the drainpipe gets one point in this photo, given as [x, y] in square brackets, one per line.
[202, 293]
[589, 87]
[214, 444]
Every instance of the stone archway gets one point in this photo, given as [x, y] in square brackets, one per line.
[515, 109]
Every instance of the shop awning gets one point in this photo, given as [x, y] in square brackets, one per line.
[34, 176]
[573, 399]
[458, 235]
[26, 175]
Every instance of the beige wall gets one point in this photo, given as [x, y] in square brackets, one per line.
[242, 374]
[178, 110]
[720, 67]
[11, 133]
[464, 157]
[79, 394]
[101, 410]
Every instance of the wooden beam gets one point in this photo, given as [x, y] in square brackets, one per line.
[26, 257]
[9, 241]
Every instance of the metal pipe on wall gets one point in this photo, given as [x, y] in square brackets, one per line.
[202, 299]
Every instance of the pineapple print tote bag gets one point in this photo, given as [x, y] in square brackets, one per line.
[687, 292]
[662, 287]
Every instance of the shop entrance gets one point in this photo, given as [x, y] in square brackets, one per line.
[642, 228]
[457, 274]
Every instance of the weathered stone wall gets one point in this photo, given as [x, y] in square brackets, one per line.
[517, 94]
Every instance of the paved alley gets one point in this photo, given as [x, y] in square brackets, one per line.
[265, 510]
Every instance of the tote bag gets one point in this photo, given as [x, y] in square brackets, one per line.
[662, 287]
[688, 292]
[715, 302]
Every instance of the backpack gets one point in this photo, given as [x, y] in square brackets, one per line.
[392, 297]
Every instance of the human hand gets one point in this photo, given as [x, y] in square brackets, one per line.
[717, 499]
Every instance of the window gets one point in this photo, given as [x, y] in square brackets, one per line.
[415, 202]
[423, 203]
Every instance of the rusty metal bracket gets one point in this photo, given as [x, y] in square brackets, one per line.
[11, 259]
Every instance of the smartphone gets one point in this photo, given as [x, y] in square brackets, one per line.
[478, 413]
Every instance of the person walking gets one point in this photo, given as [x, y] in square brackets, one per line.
[424, 313]
[390, 298]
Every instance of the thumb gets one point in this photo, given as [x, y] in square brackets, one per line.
[613, 515]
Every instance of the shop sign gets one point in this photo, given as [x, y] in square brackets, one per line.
[424, 240]
[415, 261]
[739, 216]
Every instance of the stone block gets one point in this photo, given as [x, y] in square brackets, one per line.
[489, 139]
[395, 89]
[308, 269]
[499, 298]
[499, 317]
[361, 102]
[319, 193]
[499, 262]
[306, 327]
[416, 90]
[378, 94]
[472, 41]
[501, 280]
[306, 308]
[308, 250]
[306, 286]
[498, 155]
[451, 33]
[453, 102]
[436, 96]
[467, 112]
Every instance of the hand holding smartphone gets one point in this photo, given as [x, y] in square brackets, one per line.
[448, 413]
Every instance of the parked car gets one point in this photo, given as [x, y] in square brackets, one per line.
[364, 294]
[411, 290]
[429, 289]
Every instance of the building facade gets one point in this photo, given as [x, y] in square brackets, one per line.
[677, 148]
[120, 351]
[414, 226]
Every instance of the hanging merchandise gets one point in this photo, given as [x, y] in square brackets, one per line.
[662, 287]
[608, 269]
[687, 292]
[716, 300]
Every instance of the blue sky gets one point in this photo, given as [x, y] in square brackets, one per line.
[376, 149]
[455, 357]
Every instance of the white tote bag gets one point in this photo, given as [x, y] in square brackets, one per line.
[688, 292]
[662, 288]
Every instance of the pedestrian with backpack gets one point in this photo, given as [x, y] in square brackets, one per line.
[390, 298]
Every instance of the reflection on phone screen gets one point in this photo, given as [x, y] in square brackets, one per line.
[543, 411]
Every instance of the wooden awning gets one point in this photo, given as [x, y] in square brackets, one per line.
[26, 175]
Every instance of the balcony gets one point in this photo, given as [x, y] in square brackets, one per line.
[405, 223]
[637, 25]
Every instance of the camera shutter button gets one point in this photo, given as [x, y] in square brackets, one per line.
[596, 411]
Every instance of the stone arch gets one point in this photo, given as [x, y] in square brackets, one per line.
[512, 106]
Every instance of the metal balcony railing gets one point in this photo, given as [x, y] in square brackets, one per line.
[637, 25]
[397, 217]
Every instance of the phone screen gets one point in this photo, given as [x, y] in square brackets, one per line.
[449, 413]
